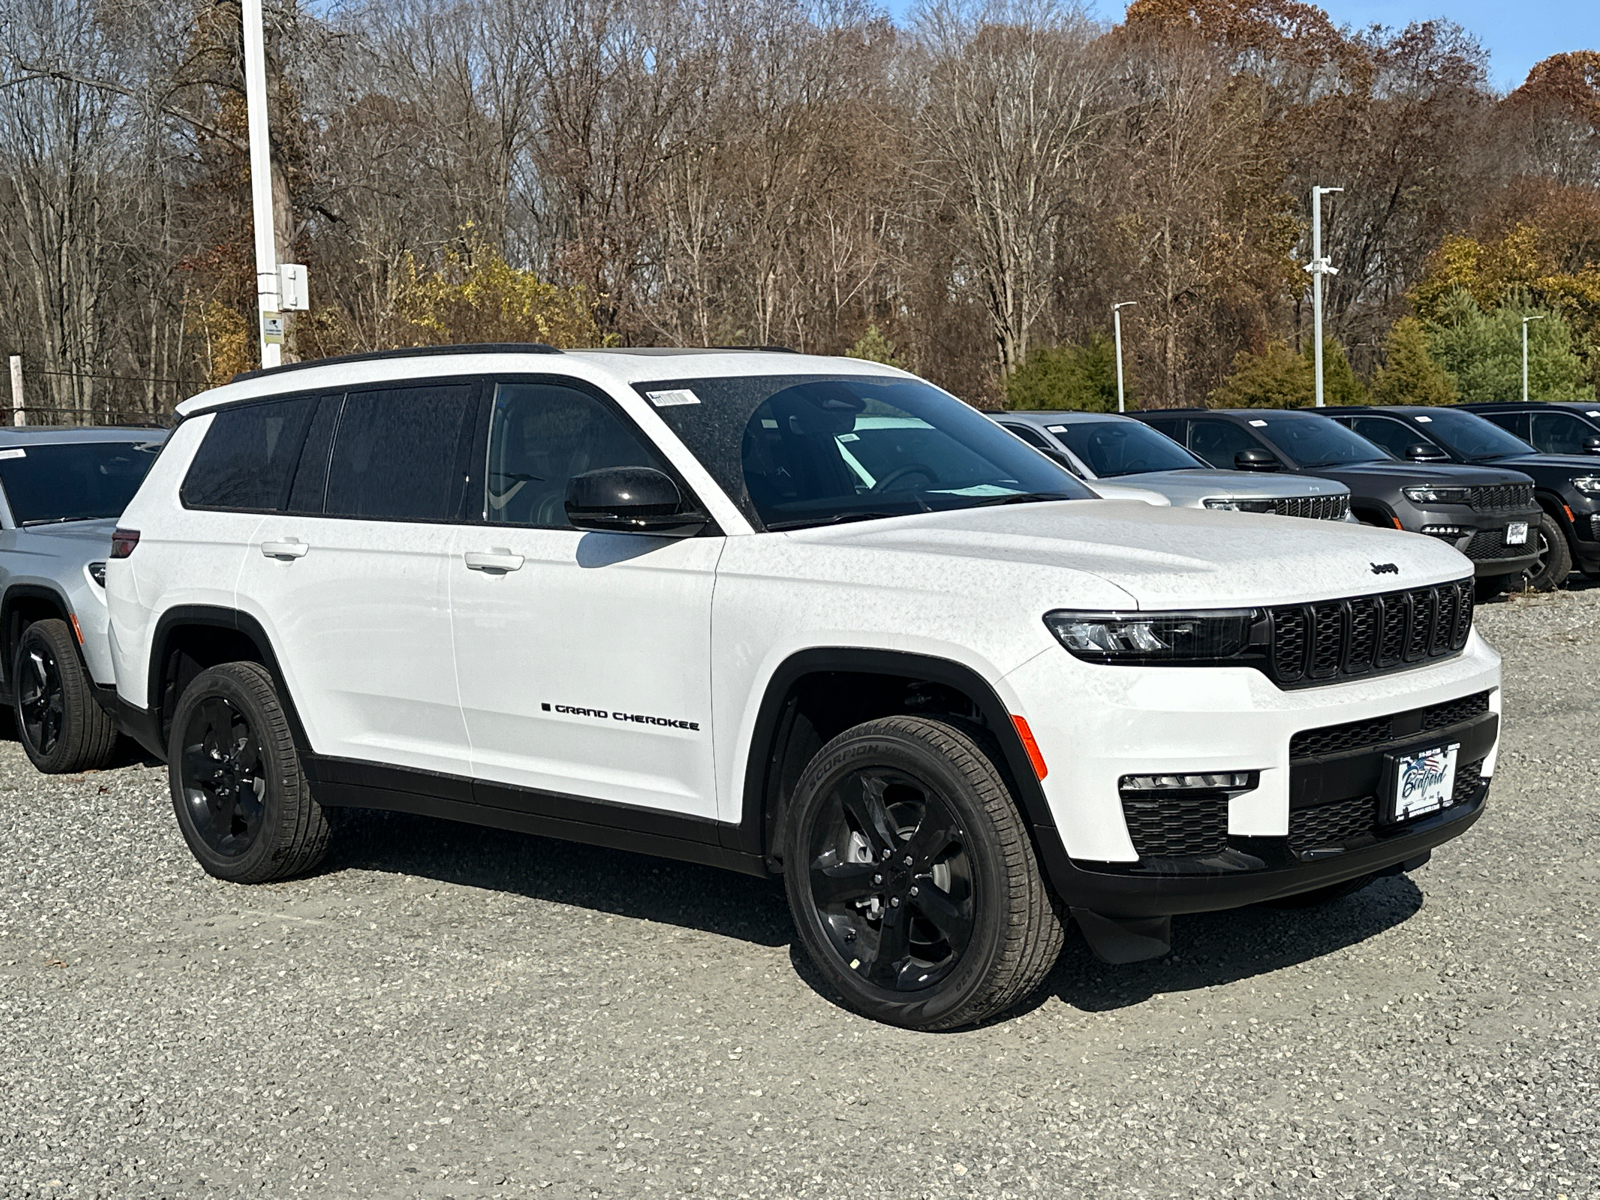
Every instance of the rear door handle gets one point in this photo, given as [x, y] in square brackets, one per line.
[496, 562]
[288, 548]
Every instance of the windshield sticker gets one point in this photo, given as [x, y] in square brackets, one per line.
[14, 452]
[1425, 420]
[1592, 413]
[1259, 424]
[849, 437]
[673, 397]
[1056, 428]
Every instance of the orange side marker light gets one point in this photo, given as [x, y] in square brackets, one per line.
[73, 617]
[1031, 746]
[1397, 524]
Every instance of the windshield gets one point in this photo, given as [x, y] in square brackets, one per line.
[797, 450]
[1113, 448]
[1470, 437]
[1316, 441]
[75, 481]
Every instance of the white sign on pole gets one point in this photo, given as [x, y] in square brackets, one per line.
[293, 293]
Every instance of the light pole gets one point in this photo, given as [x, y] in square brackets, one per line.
[269, 321]
[1525, 321]
[1318, 267]
[1116, 325]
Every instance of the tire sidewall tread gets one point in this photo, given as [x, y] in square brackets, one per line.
[88, 738]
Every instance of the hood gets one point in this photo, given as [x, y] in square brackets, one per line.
[1551, 464]
[89, 539]
[1108, 490]
[1165, 557]
[1403, 472]
[1230, 485]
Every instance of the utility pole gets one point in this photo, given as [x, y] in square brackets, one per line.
[1525, 321]
[1116, 324]
[19, 415]
[1318, 267]
[270, 319]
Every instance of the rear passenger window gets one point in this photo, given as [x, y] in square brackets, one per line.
[248, 456]
[400, 453]
[1559, 433]
[540, 437]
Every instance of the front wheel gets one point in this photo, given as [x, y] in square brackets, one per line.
[1554, 564]
[237, 790]
[62, 727]
[912, 880]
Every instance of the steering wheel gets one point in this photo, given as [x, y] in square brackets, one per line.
[900, 473]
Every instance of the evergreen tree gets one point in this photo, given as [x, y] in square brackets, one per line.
[1482, 351]
[1340, 383]
[873, 346]
[1275, 378]
[1409, 374]
[1074, 377]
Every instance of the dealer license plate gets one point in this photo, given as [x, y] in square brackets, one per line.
[1517, 533]
[1424, 782]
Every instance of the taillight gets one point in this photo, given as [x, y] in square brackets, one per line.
[123, 541]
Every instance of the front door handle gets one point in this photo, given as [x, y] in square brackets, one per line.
[288, 548]
[496, 561]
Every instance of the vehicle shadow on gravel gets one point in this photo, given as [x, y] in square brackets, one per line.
[1211, 949]
[609, 881]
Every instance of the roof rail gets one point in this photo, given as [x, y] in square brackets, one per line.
[403, 352]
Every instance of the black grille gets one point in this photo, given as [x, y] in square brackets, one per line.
[1489, 545]
[1177, 826]
[1318, 508]
[1316, 643]
[1330, 825]
[1500, 496]
[1469, 779]
[1356, 735]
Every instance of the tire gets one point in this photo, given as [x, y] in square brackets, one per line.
[1555, 557]
[240, 797]
[904, 829]
[1323, 895]
[61, 726]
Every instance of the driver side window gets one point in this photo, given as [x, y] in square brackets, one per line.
[1219, 441]
[540, 436]
[1394, 436]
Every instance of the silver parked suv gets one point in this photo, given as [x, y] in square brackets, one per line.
[63, 491]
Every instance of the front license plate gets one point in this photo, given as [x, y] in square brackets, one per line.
[1424, 782]
[1517, 533]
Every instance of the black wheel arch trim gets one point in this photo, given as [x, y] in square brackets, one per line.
[758, 829]
[8, 606]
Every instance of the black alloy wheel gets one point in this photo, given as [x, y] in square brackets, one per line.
[911, 877]
[224, 777]
[242, 803]
[61, 725]
[41, 699]
[891, 879]
[1554, 562]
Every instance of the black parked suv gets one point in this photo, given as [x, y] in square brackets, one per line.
[1550, 427]
[1486, 512]
[1567, 487]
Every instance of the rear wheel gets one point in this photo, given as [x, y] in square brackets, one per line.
[237, 790]
[1554, 564]
[912, 880]
[62, 727]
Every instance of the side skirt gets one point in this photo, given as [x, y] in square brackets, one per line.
[349, 783]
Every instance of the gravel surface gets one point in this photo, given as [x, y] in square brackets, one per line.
[452, 1012]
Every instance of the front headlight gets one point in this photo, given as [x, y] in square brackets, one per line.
[1192, 637]
[1255, 506]
[1438, 495]
[1589, 485]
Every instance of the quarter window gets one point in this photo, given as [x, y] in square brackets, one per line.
[400, 453]
[248, 456]
[541, 435]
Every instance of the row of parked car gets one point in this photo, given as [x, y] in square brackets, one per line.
[800, 617]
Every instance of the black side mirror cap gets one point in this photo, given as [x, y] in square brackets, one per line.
[1591, 445]
[630, 500]
[1425, 452]
[1254, 458]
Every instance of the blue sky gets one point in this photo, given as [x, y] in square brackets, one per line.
[1517, 33]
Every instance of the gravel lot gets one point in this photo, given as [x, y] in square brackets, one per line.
[453, 1012]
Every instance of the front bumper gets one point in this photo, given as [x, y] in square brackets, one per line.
[1095, 725]
[1481, 537]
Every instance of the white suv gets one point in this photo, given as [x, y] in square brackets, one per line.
[788, 615]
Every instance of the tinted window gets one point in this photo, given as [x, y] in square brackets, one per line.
[1511, 422]
[73, 482]
[1031, 436]
[1218, 442]
[311, 476]
[399, 453]
[1114, 448]
[1470, 436]
[797, 450]
[1560, 433]
[541, 435]
[1316, 441]
[1394, 436]
[248, 456]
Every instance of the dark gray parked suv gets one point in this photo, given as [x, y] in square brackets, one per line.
[1487, 513]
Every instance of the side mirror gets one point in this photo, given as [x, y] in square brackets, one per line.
[1254, 458]
[1425, 452]
[1062, 460]
[1591, 445]
[630, 500]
